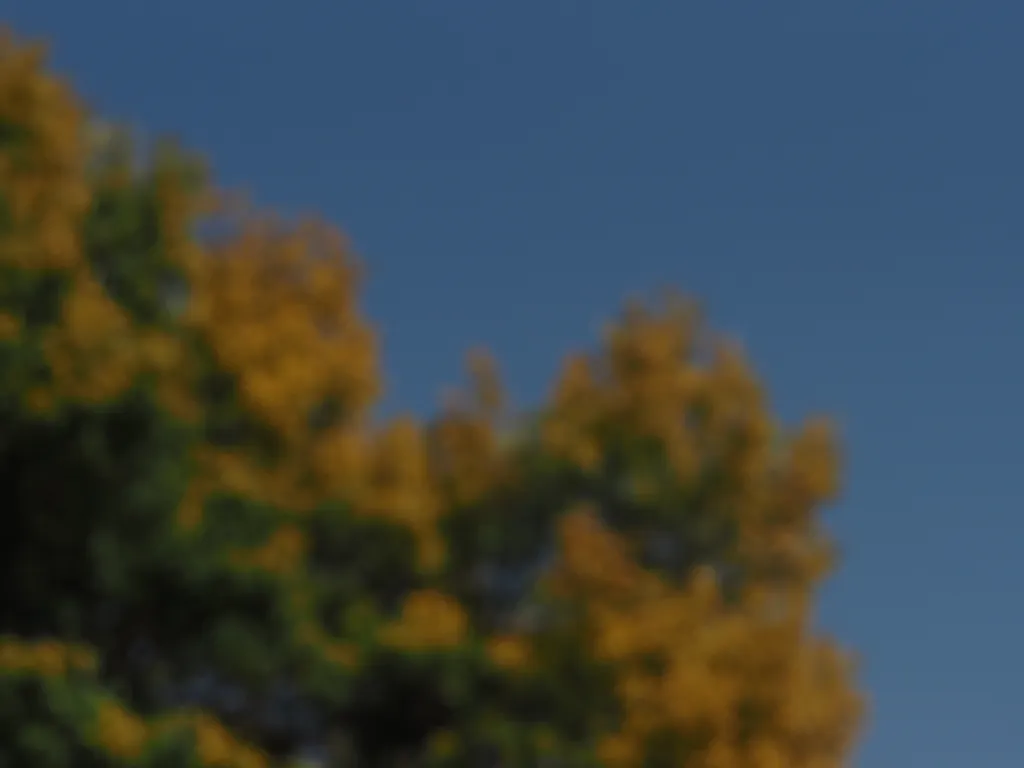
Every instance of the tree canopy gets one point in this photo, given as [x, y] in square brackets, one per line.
[214, 554]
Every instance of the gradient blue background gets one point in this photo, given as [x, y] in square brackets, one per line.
[841, 183]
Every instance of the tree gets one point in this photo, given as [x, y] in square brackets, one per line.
[214, 556]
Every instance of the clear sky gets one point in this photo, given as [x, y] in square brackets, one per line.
[840, 183]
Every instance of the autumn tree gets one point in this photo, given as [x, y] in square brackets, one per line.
[213, 555]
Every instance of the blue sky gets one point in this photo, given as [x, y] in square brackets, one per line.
[840, 183]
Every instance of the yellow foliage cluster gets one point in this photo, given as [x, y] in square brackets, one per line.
[278, 309]
[703, 415]
[464, 443]
[397, 484]
[119, 732]
[126, 736]
[91, 352]
[429, 620]
[45, 190]
[509, 651]
[44, 657]
[750, 686]
[283, 553]
[10, 326]
[217, 747]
